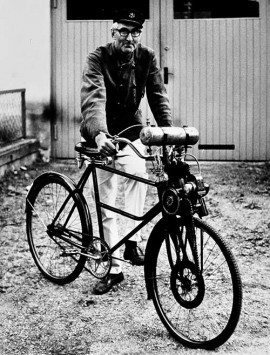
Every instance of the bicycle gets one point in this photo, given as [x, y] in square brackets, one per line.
[190, 273]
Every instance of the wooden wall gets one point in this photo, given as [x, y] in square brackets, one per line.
[220, 81]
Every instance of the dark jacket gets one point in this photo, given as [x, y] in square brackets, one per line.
[112, 91]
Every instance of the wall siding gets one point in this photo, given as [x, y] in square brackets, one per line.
[219, 79]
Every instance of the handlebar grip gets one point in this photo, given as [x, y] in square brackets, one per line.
[169, 136]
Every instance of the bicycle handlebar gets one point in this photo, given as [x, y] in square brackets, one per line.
[128, 142]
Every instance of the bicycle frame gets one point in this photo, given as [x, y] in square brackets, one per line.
[91, 169]
[146, 218]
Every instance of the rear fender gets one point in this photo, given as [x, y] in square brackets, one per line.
[68, 181]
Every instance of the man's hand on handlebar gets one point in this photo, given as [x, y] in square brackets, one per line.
[105, 145]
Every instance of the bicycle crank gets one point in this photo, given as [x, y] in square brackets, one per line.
[99, 259]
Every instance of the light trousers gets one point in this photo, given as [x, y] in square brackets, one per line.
[126, 160]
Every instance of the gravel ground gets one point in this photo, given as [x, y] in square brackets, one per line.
[40, 318]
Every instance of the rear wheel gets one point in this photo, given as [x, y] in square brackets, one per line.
[57, 227]
[199, 304]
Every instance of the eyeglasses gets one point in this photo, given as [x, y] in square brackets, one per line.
[124, 32]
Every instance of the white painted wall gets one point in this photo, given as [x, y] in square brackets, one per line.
[219, 76]
[25, 47]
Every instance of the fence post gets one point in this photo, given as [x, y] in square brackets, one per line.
[23, 114]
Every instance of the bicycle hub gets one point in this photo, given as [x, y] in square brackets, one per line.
[171, 201]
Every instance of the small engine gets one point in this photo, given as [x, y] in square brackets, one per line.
[194, 189]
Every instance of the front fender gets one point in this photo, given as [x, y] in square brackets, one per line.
[150, 250]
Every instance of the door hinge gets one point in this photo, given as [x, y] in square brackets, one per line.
[54, 4]
[55, 132]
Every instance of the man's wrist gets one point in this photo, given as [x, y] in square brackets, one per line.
[100, 135]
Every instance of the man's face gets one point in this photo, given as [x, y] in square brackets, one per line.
[127, 38]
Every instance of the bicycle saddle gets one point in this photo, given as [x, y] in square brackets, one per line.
[85, 148]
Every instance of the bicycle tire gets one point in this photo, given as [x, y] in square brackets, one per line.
[199, 310]
[56, 258]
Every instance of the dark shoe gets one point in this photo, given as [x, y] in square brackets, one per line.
[132, 254]
[106, 284]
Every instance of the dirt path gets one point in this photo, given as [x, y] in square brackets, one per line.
[38, 317]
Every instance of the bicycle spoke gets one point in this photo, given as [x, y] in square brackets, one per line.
[55, 230]
[199, 307]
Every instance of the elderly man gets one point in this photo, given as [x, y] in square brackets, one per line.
[115, 78]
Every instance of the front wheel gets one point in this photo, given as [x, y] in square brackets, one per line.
[58, 227]
[200, 304]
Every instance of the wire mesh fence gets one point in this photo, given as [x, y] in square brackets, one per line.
[12, 115]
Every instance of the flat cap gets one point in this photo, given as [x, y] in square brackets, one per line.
[129, 16]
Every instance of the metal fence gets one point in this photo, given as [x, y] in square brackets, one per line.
[12, 115]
